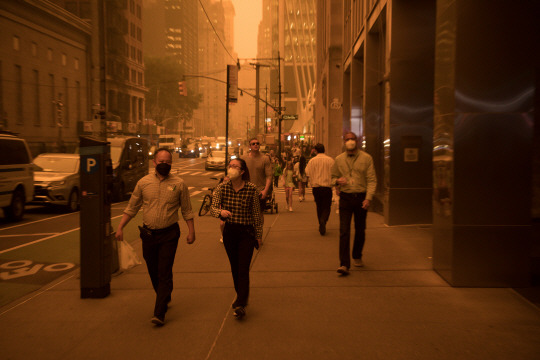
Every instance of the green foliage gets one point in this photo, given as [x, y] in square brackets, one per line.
[163, 99]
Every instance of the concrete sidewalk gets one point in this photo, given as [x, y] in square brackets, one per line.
[395, 307]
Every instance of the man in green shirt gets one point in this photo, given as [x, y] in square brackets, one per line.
[354, 174]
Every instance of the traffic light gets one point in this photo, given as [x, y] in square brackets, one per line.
[182, 90]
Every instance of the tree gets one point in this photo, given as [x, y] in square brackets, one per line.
[163, 99]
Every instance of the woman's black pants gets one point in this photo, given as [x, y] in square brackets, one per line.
[239, 241]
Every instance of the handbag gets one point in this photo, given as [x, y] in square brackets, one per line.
[127, 257]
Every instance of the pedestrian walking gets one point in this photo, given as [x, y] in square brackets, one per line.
[319, 173]
[354, 173]
[260, 171]
[278, 171]
[237, 203]
[301, 178]
[288, 184]
[161, 195]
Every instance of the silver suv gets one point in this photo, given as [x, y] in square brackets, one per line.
[16, 176]
[56, 180]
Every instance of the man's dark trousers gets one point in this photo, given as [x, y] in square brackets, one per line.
[159, 251]
[323, 200]
[351, 204]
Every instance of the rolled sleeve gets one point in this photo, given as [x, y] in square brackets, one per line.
[135, 202]
[185, 203]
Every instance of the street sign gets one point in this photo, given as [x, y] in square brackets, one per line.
[289, 117]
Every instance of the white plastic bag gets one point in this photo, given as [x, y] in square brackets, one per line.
[127, 257]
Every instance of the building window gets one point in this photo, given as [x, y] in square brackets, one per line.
[16, 43]
[52, 100]
[64, 59]
[18, 95]
[49, 54]
[76, 64]
[34, 49]
[37, 110]
[78, 101]
[65, 100]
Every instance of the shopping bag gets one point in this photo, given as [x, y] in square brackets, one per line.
[127, 257]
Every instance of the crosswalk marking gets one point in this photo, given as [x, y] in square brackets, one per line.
[195, 193]
[183, 173]
[196, 173]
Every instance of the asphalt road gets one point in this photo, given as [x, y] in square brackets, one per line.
[45, 244]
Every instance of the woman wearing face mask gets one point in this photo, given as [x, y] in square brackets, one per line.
[237, 203]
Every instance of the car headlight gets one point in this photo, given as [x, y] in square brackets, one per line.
[57, 183]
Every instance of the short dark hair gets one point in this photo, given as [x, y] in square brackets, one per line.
[162, 149]
[319, 148]
[350, 132]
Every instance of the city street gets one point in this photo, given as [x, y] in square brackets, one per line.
[45, 245]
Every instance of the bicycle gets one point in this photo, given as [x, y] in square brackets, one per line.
[207, 200]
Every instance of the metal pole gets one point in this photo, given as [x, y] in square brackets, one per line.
[279, 108]
[257, 124]
[227, 124]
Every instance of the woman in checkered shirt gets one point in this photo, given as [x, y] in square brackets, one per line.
[237, 203]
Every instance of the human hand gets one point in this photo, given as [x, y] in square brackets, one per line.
[119, 235]
[263, 194]
[365, 204]
[342, 181]
[225, 213]
[190, 238]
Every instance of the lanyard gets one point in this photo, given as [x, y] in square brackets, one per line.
[349, 165]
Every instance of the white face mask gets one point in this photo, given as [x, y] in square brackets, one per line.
[350, 144]
[233, 173]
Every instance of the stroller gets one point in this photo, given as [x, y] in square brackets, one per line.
[271, 204]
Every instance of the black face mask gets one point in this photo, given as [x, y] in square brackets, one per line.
[163, 169]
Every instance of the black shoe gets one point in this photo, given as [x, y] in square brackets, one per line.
[239, 312]
[158, 320]
[322, 228]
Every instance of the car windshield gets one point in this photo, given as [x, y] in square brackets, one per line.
[57, 164]
[217, 153]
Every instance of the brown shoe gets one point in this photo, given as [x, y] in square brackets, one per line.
[342, 270]
[358, 262]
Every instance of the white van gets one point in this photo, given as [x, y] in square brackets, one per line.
[16, 176]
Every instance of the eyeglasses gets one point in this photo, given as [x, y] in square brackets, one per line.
[235, 167]
[254, 143]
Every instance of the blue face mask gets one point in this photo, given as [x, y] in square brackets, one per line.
[163, 169]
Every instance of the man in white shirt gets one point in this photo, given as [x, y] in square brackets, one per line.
[319, 172]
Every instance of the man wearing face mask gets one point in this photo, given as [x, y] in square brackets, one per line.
[354, 174]
[161, 195]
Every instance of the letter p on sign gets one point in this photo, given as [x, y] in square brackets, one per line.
[91, 165]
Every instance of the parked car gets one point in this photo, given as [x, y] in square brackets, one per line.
[215, 160]
[56, 180]
[129, 156]
[16, 176]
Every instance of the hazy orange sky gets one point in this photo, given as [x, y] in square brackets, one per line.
[246, 25]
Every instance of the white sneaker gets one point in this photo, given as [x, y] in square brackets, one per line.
[221, 239]
[358, 262]
[290, 208]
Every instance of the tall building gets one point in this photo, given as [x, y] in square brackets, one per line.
[443, 98]
[288, 31]
[44, 74]
[171, 30]
[124, 66]
[216, 26]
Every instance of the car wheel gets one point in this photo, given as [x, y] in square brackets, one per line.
[15, 211]
[73, 201]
